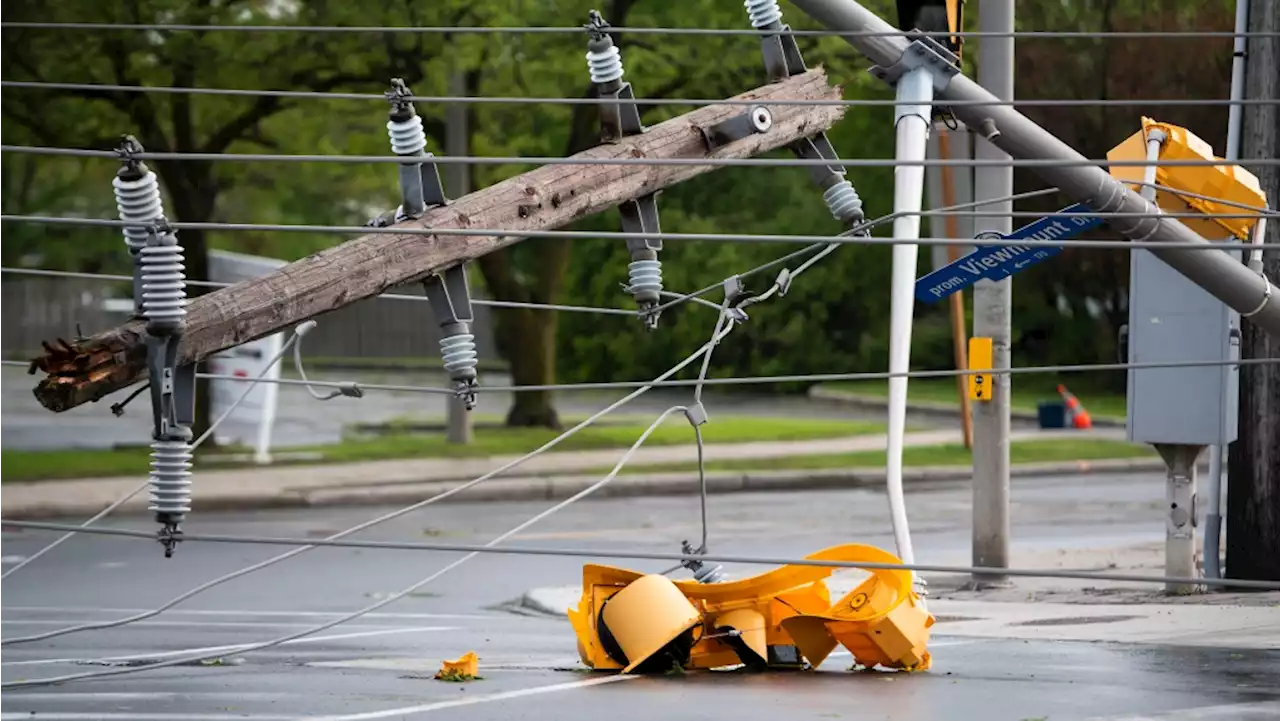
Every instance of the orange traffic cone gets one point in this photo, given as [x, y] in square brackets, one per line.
[1079, 416]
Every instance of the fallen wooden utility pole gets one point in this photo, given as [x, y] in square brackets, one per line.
[549, 197]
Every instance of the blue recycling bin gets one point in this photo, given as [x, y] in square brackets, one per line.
[1052, 414]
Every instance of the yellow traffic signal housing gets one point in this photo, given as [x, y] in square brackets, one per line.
[1224, 182]
[934, 16]
[638, 623]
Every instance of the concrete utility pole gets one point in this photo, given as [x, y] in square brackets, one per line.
[1253, 495]
[457, 137]
[993, 311]
[1214, 270]
[546, 198]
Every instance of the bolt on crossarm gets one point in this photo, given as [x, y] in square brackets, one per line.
[618, 120]
[1217, 272]
[448, 292]
[161, 298]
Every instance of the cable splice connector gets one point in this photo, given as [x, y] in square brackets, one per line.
[618, 120]
[448, 291]
[138, 201]
[164, 301]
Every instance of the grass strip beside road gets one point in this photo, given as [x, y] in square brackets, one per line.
[1028, 392]
[1029, 451]
[18, 465]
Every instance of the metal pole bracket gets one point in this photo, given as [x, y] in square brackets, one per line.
[420, 186]
[619, 119]
[923, 52]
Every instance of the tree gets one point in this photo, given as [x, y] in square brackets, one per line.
[181, 122]
[1253, 493]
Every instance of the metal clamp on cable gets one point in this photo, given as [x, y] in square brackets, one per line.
[617, 120]
[448, 291]
[782, 60]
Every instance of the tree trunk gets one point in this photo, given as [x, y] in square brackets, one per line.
[531, 337]
[1253, 491]
[195, 207]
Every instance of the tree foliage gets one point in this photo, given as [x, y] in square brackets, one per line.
[833, 319]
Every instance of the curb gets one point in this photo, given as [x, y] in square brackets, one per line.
[552, 488]
[926, 408]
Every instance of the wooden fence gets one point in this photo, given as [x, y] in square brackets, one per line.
[39, 309]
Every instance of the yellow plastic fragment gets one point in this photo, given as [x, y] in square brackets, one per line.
[464, 669]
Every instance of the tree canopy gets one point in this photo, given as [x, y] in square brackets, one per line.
[833, 320]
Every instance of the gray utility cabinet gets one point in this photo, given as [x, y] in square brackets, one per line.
[1173, 320]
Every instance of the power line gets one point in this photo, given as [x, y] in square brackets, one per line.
[390, 296]
[577, 30]
[536, 100]
[377, 604]
[843, 239]
[658, 556]
[295, 339]
[754, 380]
[572, 160]
[370, 523]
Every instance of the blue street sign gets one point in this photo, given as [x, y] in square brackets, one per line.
[995, 262]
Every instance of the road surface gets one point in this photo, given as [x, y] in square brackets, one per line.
[380, 666]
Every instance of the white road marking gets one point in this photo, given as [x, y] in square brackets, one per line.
[230, 648]
[135, 716]
[472, 700]
[103, 696]
[246, 612]
[185, 624]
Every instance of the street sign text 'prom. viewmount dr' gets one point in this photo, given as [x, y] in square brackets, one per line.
[997, 262]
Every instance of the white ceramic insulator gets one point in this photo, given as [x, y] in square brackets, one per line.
[459, 355]
[164, 294]
[605, 65]
[763, 12]
[171, 477]
[645, 277]
[407, 136]
[844, 202]
[138, 201]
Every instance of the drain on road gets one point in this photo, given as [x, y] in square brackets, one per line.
[1074, 620]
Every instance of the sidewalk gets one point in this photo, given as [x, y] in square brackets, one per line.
[1053, 609]
[554, 474]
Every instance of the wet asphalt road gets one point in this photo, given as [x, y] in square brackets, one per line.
[374, 667]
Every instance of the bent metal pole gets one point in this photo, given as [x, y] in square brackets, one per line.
[1218, 273]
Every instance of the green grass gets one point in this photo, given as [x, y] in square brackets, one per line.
[1028, 391]
[70, 463]
[1033, 451]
